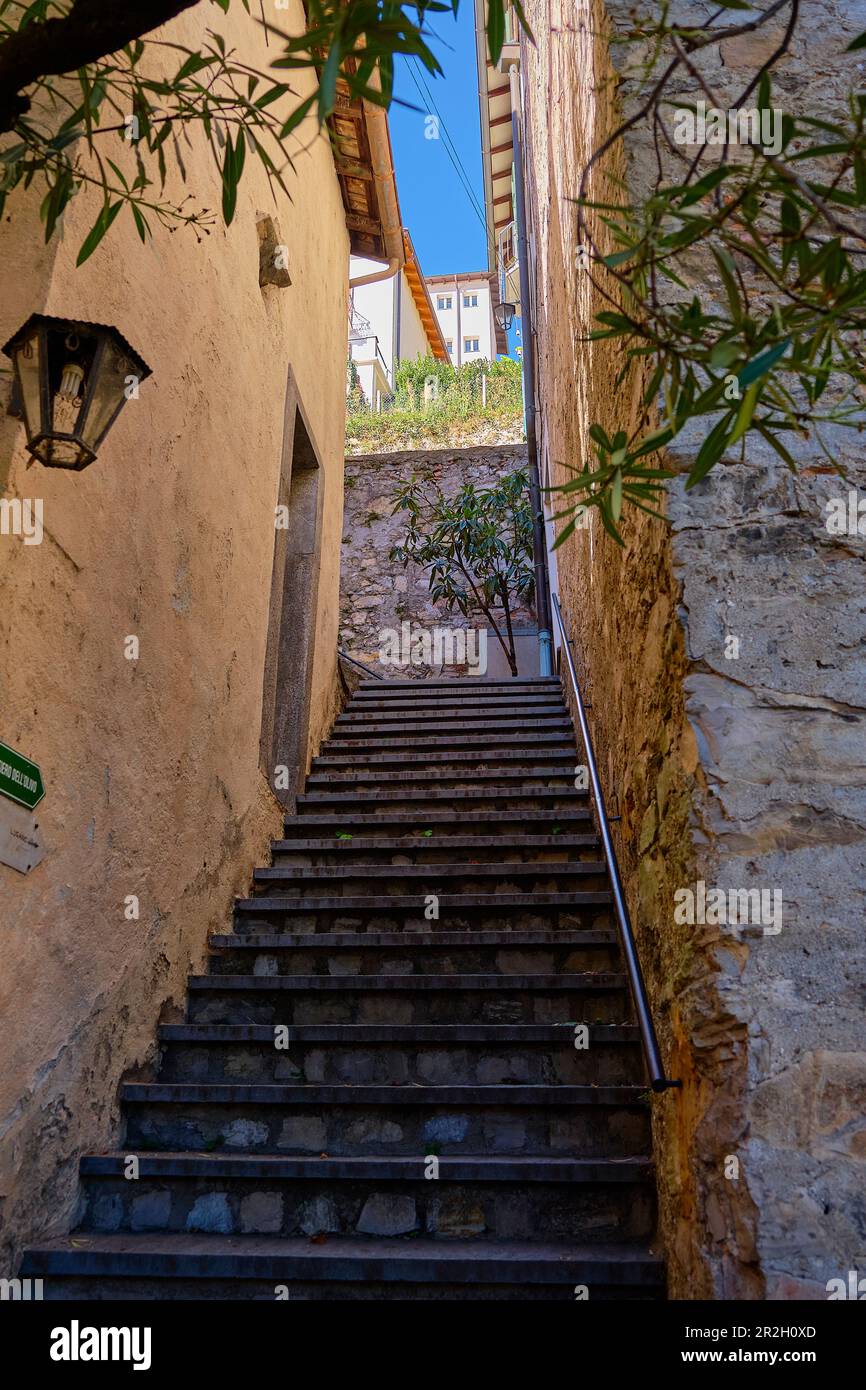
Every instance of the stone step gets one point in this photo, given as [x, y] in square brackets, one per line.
[493, 795]
[515, 1035]
[456, 683]
[339, 950]
[590, 997]
[598, 953]
[365, 1055]
[284, 1095]
[394, 704]
[578, 1121]
[480, 1168]
[434, 848]
[277, 1196]
[412, 824]
[465, 687]
[507, 758]
[413, 775]
[546, 720]
[188, 1266]
[390, 880]
[466, 709]
[523, 910]
[269, 954]
[455, 742]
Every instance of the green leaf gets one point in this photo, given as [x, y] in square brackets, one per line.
[230, 181]
[98, 230]
[607, 521]
[298, 115]
[141, 225]
[855, 44]
[273, 94]
[651, 443]
[726, 266]
[744, 416]
[328, 82]
[598, 435]
[710, 451]
[762, 363]
[777, 444]
[616, 495]
[495, 29]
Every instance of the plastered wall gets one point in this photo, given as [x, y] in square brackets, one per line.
[151, 766]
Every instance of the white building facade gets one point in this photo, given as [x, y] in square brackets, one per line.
[464, 305]
[390, 321]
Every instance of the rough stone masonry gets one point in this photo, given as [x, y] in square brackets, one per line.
[736, 763]
[377, 594]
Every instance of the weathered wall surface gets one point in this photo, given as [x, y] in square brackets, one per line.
[152, 765]
[377, 594]
[742, 771]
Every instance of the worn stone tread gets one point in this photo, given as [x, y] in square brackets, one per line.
[518, 868]
[566, 980]
[415, 1259]
[217, 1093]
[501, 815]
[393, 845]
[495, 792]
[453, 1034]
[565, 753]
[497, 776]
[414, 903]
[462, 1168]
[455, 740]
[353, 941]
[442, 722]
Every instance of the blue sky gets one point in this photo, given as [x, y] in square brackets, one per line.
[446, 230]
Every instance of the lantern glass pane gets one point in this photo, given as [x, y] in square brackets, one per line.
[27, 357]
[67, 453]
[113, 367]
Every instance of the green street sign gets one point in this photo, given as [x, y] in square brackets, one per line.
[20, 779]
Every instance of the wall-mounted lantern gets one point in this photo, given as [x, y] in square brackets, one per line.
[504, 314]
[73, 379]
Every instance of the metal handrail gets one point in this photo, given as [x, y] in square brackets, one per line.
[361, 665]
[658, 1080]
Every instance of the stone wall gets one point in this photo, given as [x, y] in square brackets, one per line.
[152, 766]
[741, 771]
[377, 594]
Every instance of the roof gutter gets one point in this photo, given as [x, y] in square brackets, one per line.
[484, 113]
[384, 274]
[384, 180]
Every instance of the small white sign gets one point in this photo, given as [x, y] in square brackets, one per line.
[21, 844]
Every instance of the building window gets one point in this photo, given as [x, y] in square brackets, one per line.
[449, 345]
[470, 301]
[470, 344]
[443, 301]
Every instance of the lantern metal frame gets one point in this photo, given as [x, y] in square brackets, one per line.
[39, 435]
[503, 313]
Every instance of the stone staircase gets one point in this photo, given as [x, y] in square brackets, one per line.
[432, 929]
